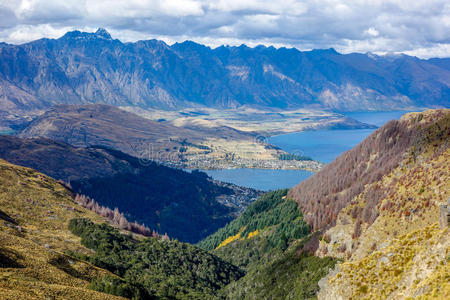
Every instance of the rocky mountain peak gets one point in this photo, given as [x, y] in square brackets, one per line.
[103, 33]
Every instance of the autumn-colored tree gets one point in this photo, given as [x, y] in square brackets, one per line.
[116, 217]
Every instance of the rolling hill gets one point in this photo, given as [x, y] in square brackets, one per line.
[195, 144]
[108, 126]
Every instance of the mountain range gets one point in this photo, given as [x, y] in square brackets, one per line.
[82, 68]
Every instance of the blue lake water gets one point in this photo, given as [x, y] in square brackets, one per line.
[321, 145]
[325, 145]
[260, 179]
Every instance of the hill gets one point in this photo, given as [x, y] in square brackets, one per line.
[81, 68]
[196, 145]
[35, 210]
[272, 242]
[371, 217]
[108, 126]
[186, 205]
[379, 211]
[53, 248]
[375, 157]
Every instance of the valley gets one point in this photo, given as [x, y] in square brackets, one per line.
[138, 169]
[379, 212]
[169, 199]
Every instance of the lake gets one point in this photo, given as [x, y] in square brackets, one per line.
[321, 145]
[260, 179]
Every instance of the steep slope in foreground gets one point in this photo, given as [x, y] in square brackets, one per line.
[187, 206]
[34, 237]
[40, 257]
[381, 212]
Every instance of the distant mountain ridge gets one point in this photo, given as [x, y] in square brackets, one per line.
[81, 68]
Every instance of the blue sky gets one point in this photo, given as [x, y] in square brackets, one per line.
[415, 27]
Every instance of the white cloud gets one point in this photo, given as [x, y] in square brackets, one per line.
[415, 27]
[372, 32]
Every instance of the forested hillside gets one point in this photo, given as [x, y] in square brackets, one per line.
[41, 258]
[153, 267]
[182, 204]
[272, 242]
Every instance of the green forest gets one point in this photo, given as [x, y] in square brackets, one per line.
[162, 198]
[152, 268]
[270, 237]
[277, 259]
[270, 209]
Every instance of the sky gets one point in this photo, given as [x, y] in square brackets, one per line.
[413, 27]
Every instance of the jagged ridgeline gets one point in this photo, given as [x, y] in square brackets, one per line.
[153, 74]
[41, 258]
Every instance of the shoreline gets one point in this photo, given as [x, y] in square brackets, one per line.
[214, 164]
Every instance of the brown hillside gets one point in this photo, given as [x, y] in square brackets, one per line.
[63, 161]
[389, 235]
[109, 126]
[326, 193]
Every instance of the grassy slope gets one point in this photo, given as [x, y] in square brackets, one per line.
[34, 236]
[41, 258]
[402, 253]
[413, 265]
